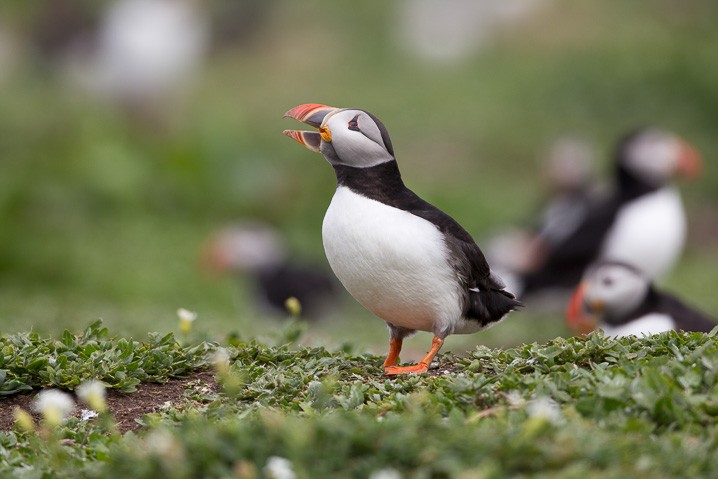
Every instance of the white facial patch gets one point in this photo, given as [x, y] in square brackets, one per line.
[617, 288]
[360, 149]
[250, 247]
[653, 155]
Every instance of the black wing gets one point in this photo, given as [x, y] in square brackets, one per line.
[686, 318]
[473, 268]
[565, 263]
[484, 297]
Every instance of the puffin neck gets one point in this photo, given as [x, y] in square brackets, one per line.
[377, 181]
[648, 305]
[630, 187]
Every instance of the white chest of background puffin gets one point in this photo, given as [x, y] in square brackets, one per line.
[642, 222]
[649, 230]
[621, 299]
[400, 257]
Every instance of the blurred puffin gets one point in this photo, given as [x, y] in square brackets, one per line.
[620, 299]
[143, 57]
[641, 222]
[255, 249]
[567, 171]
[403, 259]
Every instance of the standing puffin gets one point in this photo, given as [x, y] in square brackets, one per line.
[641, 222]
[403, 259]
[620, 299]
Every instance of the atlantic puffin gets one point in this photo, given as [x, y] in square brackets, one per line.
[403, 259]
[622, 300]
[642, 221]
[254, 249]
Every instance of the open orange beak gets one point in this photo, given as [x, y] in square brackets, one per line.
[690, 164]
[576, 318]
[312, 114]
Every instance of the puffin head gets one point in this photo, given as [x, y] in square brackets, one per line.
[609, 290]
[655, 157]
[246, 247]
[346, 136]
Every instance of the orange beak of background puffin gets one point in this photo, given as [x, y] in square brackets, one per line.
[312, 114]
[576, 318]
[690, 164]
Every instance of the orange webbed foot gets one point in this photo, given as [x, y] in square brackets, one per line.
[423, 366]
[414, 369]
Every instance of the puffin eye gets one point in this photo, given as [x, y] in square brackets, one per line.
[607, 281]
[354, 124]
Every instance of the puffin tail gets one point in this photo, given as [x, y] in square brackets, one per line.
[490, 306]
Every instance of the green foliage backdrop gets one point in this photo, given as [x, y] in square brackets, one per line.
[101, 217]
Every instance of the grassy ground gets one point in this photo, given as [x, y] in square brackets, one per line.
[583, 407]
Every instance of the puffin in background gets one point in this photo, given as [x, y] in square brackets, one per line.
[620, 299]
[568, 174]
[403, 259]
[143, 56]
[641, 222]
[256, 250]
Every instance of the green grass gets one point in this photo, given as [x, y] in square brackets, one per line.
[592, 407]
[29, 361]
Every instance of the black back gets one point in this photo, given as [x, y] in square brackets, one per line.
[685, 317]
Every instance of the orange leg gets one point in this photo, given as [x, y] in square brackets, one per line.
[394, 350]
[423, 365]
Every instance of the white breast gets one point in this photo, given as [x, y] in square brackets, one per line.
[653, 323]
[394, 263]
[649, 232]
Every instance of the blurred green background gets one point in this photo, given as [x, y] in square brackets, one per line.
[103, 212]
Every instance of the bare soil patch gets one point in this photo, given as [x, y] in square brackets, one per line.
[126, 407]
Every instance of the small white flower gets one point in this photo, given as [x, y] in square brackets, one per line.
[186, 318]
[93, 394]
[54, 405]
[546, 409]
[87, 414]
[220, 361]
[279, 468]
[386, 473]
[186, 315]
[514, 399]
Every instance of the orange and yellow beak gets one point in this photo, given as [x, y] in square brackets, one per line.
[576, 318]
[312, 114]
[690, 164]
